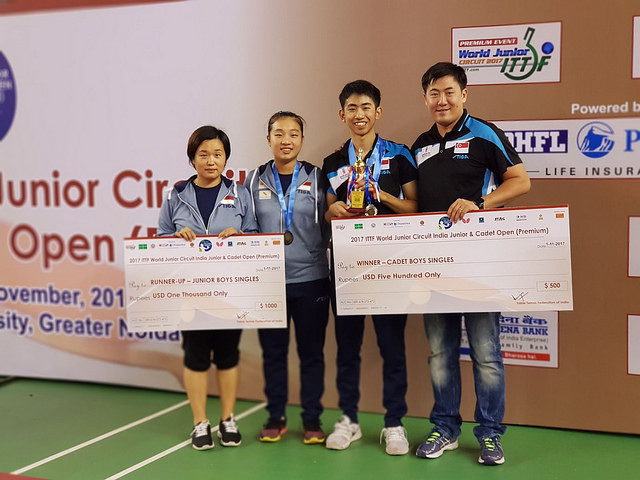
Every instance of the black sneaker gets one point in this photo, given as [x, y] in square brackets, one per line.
[491, 452]
[273, 429]
[201, 436]
[228, 433]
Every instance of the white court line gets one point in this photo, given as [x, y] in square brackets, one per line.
[101, 437]
[168, 451]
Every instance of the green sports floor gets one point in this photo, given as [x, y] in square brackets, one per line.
[65, 430]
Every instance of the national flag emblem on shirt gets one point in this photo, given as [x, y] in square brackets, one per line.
[461, 147]
[305, 187]
[262, 185]
[228, 200]
[385, 164]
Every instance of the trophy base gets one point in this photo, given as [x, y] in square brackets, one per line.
[357, 211]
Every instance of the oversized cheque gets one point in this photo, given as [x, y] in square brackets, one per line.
[210, 283]
[493, 260]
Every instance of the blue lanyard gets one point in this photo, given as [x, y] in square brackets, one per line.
[287, 211]
[375, 159]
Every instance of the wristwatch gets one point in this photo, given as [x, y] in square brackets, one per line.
[479, 203]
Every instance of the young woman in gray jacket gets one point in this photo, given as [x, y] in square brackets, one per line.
[289, 197]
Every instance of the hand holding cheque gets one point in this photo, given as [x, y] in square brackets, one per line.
[210, 283]
[493, 260]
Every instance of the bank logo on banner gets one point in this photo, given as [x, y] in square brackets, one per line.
[7, 96]
[528, 53]
[577, 148]
[529, 340]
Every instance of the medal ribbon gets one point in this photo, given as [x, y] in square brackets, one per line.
[287, 211]
[375, 159]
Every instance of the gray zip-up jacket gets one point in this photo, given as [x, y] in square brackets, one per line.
[306, 258]
[233, 208]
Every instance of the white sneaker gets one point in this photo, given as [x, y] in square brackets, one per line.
[396, 440]
[344, 432]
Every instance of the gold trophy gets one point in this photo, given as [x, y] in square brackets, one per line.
[355, 197]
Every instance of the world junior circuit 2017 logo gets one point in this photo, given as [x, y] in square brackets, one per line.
[7, 96]
[595, 139]
[512, 53]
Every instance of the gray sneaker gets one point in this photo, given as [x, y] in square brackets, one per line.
[435, 444]
[344, 432]
[396, 440]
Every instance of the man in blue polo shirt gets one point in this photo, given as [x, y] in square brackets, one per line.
[464, 164]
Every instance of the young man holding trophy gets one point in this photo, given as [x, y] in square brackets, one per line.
[369, 176]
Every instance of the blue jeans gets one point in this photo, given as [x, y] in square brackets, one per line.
[483, 331]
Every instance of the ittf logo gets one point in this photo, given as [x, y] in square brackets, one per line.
[519, 65]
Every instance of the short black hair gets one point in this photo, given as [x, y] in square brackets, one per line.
[204, 133]
[360, 87]
[443, 69]
[285, 113]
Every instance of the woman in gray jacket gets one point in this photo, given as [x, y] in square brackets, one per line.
[208, 203]
[289, 197]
